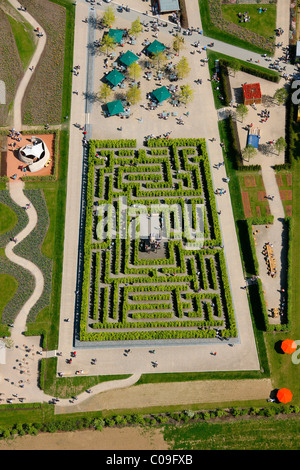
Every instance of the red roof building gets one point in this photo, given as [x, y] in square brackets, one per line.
[251, 93]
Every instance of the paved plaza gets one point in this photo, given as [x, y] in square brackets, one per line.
[201, 121]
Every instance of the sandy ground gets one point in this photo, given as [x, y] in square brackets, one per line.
[143, 121]
[108, 439]
[270, 130]
[168, 394]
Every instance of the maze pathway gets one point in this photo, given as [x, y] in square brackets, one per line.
[154, 267]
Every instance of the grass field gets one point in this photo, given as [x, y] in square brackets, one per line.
[260, 23]
[211, 31]
[9, 287]
[284, 371]
[8, 218]
[24, 38]
[250, 434]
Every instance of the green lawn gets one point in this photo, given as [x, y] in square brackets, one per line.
[24, 37]
[8, 288]
[212, 31]
[284, 372]
[252, 434]
[8, 218]
[260, 23]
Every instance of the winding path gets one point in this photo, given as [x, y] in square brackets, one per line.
[16, 190]
[23, 353]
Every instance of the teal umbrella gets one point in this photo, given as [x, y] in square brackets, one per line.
[115, 77]
[155, 47]
[161, 94]
[116, 34]
[115, 107]
[128, 58]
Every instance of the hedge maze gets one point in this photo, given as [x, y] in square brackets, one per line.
[151, 273]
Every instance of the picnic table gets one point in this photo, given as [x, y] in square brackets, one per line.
[270, 260]
[126, 113]
[275, 312]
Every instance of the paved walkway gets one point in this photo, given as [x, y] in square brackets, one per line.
[242, 356]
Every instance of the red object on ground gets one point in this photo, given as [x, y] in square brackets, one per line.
[284, 395]
[288, 346]
[251, 93]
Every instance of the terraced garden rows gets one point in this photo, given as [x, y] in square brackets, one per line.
[177, 290]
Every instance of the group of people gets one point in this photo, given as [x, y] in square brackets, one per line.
[75, 70]
[269, 258]
[220, 191]
[265, 114]
[15, 135]
[244, 17]
[22, 367]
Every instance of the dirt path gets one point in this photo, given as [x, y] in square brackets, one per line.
[108, 439]
[169, 394]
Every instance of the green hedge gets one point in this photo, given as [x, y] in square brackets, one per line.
[120, 253]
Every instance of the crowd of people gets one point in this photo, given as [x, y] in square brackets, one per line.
[269, 258]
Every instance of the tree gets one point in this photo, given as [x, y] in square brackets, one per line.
[186, 94]
[107, 44]
[249, 152]
[134, 95]
[182, 68]
[280, 96]
[280, 145]
[178, 43]
[235, 66]
[159, 60]
[135, 71]
[241, 111]
[136, 28]
[108, 18]
[104, 92]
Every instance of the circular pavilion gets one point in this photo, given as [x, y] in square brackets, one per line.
[35, 154]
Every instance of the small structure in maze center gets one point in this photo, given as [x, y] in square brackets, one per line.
[35, 154]
[150, 231]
